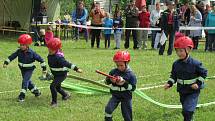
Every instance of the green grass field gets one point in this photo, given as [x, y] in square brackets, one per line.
[147, 65]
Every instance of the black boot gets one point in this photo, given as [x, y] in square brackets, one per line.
[188, 115]
[36, 92]
[108, 119]
[66, 97]
[21, 97]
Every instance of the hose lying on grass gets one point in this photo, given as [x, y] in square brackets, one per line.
[91, 90]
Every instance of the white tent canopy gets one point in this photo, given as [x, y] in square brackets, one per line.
[21, 10]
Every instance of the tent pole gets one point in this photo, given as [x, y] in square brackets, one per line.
[110, 5]
[31, 17]
[3, 13]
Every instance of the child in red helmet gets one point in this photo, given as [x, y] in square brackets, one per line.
[189, 75]
[26, 59]
[59, 68]
[121, 87]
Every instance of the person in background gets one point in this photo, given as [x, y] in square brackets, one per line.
[169, 26]
[155, 21]
[97, 15]
[108, 22]
[79, 17]
[131, 14]
[144, 23]
[210, 22]
[207, 11]
[195, 21]
[49, 34]
[117, 23]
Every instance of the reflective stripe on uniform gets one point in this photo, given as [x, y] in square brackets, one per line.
[23, 91]
[129, 87]
[35, 88]
[43, 64]
[26, 65]
[201, 79]
[108, 115]
[8, 60]
[116, 88]
[190, 81]
[73, 66]
[172, 80]
[60, 69]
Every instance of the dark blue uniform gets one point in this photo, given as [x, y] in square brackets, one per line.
[26, 61]
[121, 94]
[59, 68]
[186, 73]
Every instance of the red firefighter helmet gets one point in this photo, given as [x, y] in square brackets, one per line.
[54, 44]
[25, 39]
[183, 42]
[122, 56]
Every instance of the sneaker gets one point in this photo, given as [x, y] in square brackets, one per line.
[53, 104]
[66, 97]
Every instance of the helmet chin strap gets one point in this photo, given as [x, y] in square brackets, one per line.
[186, 54]
[126, 65]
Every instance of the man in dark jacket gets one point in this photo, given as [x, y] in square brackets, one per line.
[131, 13]
[169, 25]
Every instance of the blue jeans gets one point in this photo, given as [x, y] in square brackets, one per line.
[126, 108]
[107, 40]
[77, 31]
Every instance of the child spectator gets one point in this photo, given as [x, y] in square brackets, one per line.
[49, 34]
[108, 22]
[117, 23]
[144, 23]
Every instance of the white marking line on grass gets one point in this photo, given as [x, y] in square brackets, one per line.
[152, 87]
[149, 75]
[10, 91]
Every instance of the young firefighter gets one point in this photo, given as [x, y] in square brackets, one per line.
[26, 59]
[59, 68]
[121, 87]
[189, 75]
